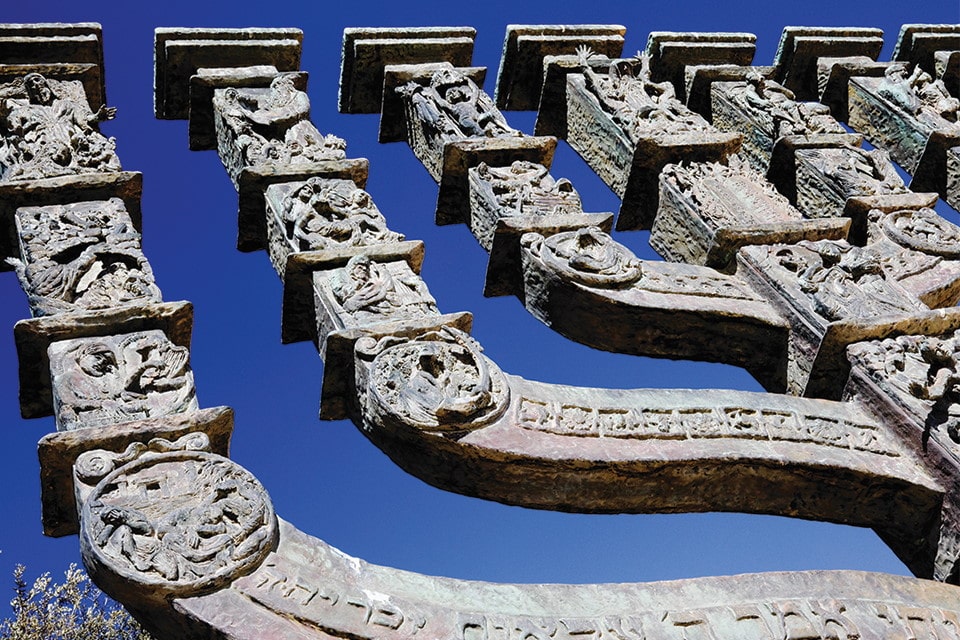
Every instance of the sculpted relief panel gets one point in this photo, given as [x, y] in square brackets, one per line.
[523, 188]
[642, 108]
[81, 257]
[365, 292]
[438, 381]
[48, 130]
[921, 372]
[171, 518]
[448, 107]
[330, 213]
[111, 379]
[268, 128]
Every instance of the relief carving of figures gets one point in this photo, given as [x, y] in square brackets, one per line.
[438, 381]
[452, 107]
[924, 371]
[527, 188]
[777, 106]
[271, 127]
[112, 379]
[844, 281]
[922, 230]
[179, 521]
[372, 291]
[48, 130]
[642, 108]
[730, 195]
[920, 96]
[82, 256]
[324, 213]
[856, 171]
[587, 256]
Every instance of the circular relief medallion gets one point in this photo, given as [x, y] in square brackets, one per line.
[438, 385]
[177, 523]
[591, 257]
[923, 230]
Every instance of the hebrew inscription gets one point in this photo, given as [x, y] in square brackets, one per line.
[47, 130]
[120, 378]
[702, 422]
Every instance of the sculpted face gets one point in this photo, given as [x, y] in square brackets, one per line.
[98, 361]
[38, 89]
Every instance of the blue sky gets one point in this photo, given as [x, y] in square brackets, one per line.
[324, 476]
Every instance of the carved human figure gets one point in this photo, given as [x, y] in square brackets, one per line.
[436, 380]
[281, 106]
[641, 107]
[370, 290]
[113, 379]
[845, 281]
[592, 257]
[98, 278]
[919, 95]
[857, 171]
[452, 107]
[779, 104]
[82, 256]
[924, 371]
[528, 188]
[272, 128]
[321, 214]
[177, 520]
[45, 135]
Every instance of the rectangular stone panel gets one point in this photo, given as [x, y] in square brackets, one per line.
[709, 211]
[393, 122]
[90, 75]
[35, 335]
[827, 177]
[299, 321]
[919, 43]
[322, 214]
[203, 85]
[104, 380]
[366, 51]
[253, 183]
[82, 257]
[801, 47]
[180, 52]
[911, 117]
[699, 81]
[520, 77]
[671, 52]
[833, 79]
[57, 44]
[125, 185]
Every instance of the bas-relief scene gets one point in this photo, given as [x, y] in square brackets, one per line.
[189, 540]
